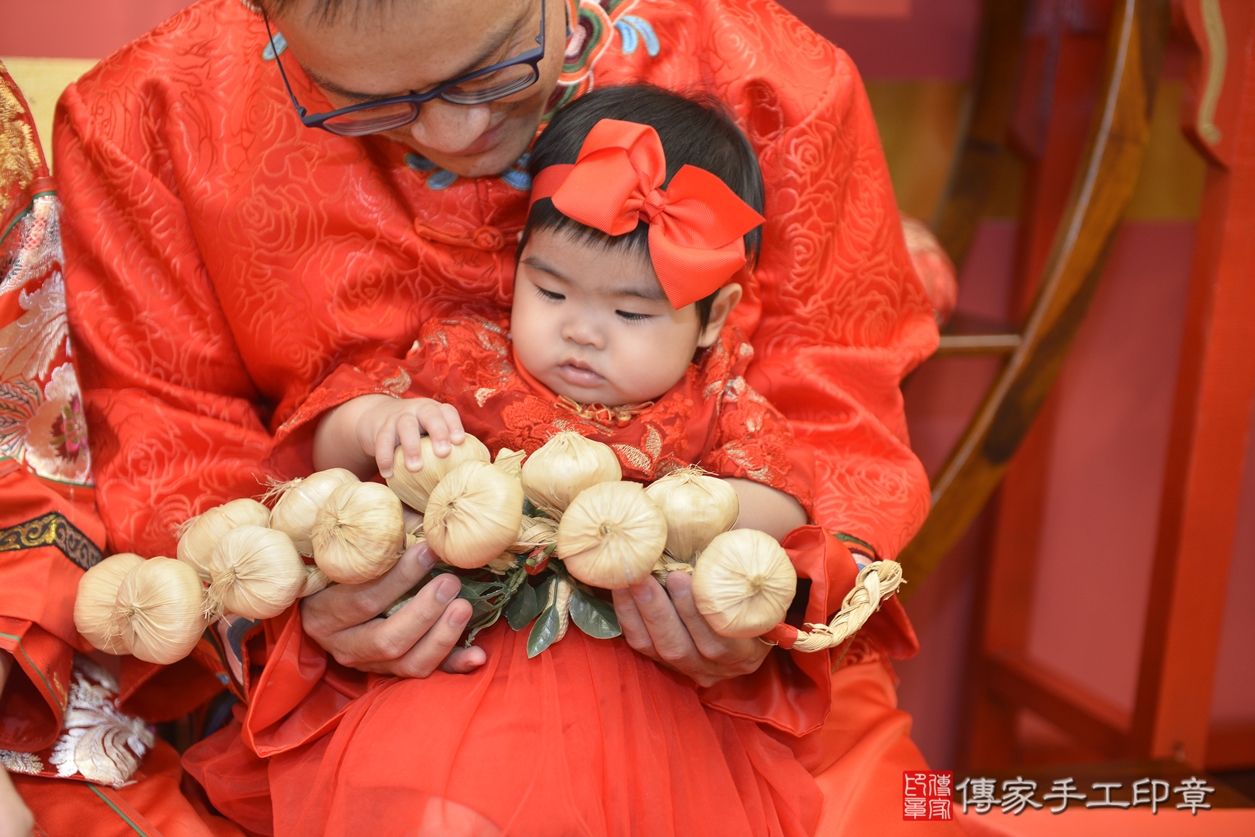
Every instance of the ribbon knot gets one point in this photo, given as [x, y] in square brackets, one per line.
[696, 224]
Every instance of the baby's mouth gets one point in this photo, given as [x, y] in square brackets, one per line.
[577, 373]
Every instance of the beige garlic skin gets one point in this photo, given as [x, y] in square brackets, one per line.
[612, 535]
[160, 610]
[256, 573]
[697, 507]
[97, 600]
[299, 502]
[415, 487]
[744, 583]
[315, 581]
[359, 534]
[201, 534]
[563, 467]
[474, 515]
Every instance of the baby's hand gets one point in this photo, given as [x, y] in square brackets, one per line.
[389, 422]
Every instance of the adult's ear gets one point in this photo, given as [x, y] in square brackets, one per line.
[727, 299]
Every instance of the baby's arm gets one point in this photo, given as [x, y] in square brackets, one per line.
[767, 509]
[361, 434]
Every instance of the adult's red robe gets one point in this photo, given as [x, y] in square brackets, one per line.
[223, 259]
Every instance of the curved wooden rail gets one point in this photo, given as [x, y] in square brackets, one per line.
[1105, 180]
[975, 168]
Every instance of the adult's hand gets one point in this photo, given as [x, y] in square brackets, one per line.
[413, 642]
[665, 624]
[15, 817]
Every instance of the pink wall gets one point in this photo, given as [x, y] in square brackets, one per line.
[77, 28]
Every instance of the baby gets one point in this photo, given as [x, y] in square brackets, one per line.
[643, 225]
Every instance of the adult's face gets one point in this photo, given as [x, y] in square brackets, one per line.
[377, 50]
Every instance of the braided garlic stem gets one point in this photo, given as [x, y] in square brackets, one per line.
[876, 582]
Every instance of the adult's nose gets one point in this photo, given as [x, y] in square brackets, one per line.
[447, 128]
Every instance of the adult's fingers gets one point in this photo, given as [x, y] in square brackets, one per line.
[343, 606]
[633, 626]
[436, 642]
[411, 642]
[464, 660]
[667, 631]
[735, 656]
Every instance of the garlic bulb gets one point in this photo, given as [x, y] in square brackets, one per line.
[612, 535]
[159, 612]
[744, 583]
[564, 466]
[299, 502]
[474, 515]
[359, 533]
[201, 534]
[255, 572]
[697, 507]
[415, 487]
[97, 599]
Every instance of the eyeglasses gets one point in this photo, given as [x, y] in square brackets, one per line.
[475, 88]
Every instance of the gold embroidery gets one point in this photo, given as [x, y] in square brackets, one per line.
[52, 529]
[19, 153]
[15, 762]
[601, 414]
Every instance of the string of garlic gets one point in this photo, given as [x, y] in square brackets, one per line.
[743, 583]
[159, 614]
[96, 602]
[200, 535]
[611, 535]
[564, 467]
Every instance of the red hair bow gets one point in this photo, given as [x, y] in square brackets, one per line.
[695, 226]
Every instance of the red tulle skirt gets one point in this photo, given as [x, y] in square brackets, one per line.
[589, 738]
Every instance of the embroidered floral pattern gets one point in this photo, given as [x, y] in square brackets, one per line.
[15, 762]
[41, 412]
[100, 743]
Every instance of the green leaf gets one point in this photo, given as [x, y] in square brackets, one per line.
[594, 616]
[544, 632]
[525, 607]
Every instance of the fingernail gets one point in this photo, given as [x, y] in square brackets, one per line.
[426, 560]
[447, 591]
[414, 463]
[679, 591]
[643, 593]
[460, 618]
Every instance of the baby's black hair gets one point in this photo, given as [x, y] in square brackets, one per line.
[694, 131]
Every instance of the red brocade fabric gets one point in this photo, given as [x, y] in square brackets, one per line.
[710, 418]
[223, 260]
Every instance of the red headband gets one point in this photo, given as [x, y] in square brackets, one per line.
[695, 226]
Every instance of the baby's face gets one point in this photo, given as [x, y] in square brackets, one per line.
[594, 325]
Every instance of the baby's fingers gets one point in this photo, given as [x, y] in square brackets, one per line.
[435, 418]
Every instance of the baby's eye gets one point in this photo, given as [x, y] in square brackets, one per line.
[631, 317]
[549, 295]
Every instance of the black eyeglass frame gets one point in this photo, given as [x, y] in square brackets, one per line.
[532, 57]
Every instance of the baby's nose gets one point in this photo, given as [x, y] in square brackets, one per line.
[583, 333]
